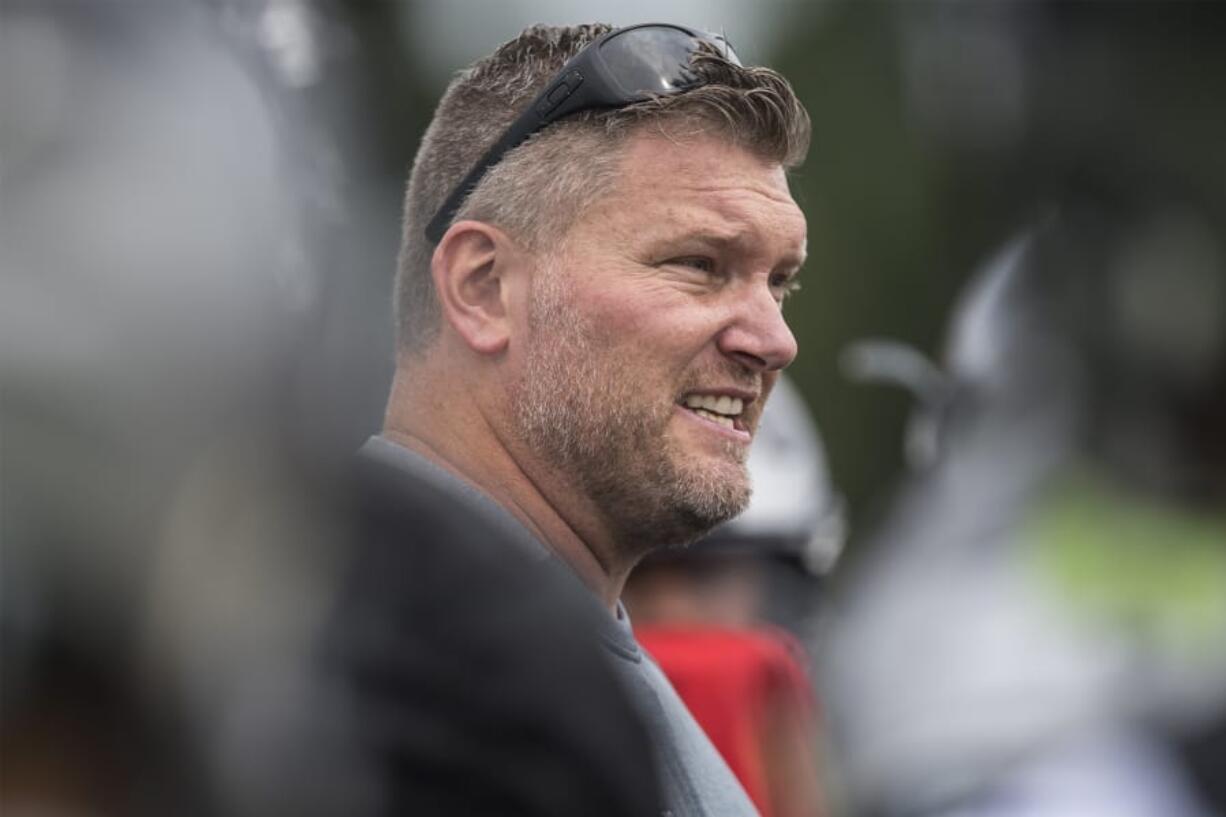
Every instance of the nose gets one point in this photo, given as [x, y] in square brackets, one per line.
[757, 336]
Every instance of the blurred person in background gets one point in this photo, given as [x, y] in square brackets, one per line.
[727, 617]
[1034, 628]
[1039, 628]
[598, 239]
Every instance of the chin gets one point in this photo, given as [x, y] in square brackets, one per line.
[712, 497]
[681, 505]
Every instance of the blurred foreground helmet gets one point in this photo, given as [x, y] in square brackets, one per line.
[795, 513]
[1108, 324]
[1104, 329]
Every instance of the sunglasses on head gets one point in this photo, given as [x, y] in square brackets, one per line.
[625, 66]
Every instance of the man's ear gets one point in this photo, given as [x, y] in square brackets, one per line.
[470, 267]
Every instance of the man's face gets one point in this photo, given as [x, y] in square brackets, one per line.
[655, 334]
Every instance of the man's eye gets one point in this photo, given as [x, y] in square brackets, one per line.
[784, 287]
[695, 262]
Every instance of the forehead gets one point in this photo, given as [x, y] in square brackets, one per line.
[668, 186]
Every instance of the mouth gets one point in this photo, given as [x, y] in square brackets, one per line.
[723, 409]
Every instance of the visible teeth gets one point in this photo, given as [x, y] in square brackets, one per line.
[726, 422]
[729, 406]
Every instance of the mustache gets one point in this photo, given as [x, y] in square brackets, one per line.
[728, 374]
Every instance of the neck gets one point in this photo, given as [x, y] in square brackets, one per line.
[439, 418]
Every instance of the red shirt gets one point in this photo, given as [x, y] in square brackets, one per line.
[736, 683]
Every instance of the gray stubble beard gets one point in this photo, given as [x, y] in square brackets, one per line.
[576, 409]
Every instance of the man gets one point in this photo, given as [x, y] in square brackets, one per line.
[590, 319]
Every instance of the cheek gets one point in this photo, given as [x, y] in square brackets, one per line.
[657, 323]
[617, 310]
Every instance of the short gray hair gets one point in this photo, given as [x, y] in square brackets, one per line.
[538, 188]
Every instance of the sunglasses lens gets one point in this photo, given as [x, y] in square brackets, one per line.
[655, 59]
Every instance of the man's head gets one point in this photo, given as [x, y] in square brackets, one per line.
[535, 191]
[640, 256]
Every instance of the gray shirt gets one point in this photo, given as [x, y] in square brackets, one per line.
[696, 780]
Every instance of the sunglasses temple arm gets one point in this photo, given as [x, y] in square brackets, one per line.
[524, 127]
[535, 117]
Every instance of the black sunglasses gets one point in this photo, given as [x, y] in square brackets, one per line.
[627, 65]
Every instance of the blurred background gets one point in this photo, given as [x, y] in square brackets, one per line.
[199, 218]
